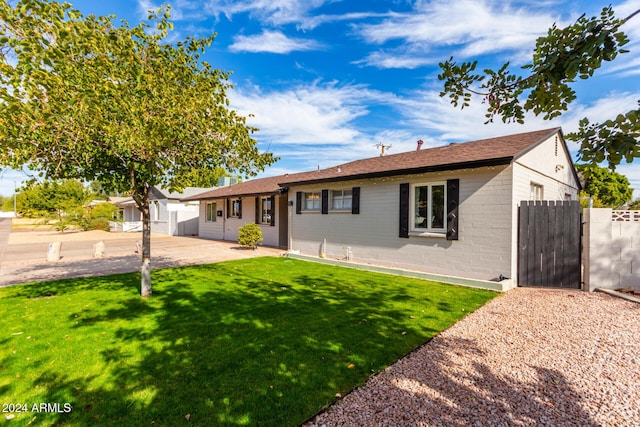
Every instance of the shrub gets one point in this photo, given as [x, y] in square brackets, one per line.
[100, 224]
[250, 235]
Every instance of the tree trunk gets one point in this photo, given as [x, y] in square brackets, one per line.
[145, 269]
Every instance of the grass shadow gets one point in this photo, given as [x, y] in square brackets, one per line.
[265, 341]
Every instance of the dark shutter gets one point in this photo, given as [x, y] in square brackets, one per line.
[453, 201]
[258, 210]
[404, 210]
[325, 202]
[355, 200]
[273, 210]
[298, 202]
[228, 208]
[239, 208]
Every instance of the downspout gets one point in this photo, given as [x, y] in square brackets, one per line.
[290, 226]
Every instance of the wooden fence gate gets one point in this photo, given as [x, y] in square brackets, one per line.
[549, 241]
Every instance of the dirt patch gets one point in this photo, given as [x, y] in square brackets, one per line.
[31, 224]
[46, 236]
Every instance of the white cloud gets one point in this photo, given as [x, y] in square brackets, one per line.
[271, 12]
[313, 114]
[272, 41]
[311, 22]
[427, 110]
[317, 125]
[274, 12]
[466, 28]
[393, 59]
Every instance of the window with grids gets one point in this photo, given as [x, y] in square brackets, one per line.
[266, 210]
[429, 203]
[211, 212]
[312, 201]
[537, 192]
[235, 208]
[341, 199]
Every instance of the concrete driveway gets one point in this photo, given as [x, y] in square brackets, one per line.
[23, 254]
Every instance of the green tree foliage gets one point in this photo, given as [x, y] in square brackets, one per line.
[52, 199]
[560, 57]
[204, 178]
[85, 97]
[250, 235]
[608, 188]
[7, 204]
[105, 210]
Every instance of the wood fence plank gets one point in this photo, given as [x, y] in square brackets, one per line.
[523, 241]
[549, 244]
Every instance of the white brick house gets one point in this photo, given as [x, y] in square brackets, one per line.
[224, 210]
[447, 211]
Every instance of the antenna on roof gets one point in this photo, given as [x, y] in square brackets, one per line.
[381, 145]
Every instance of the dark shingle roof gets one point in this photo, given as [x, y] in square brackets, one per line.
[485, 152]
[252, 187]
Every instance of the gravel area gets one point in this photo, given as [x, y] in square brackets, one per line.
[529, 357]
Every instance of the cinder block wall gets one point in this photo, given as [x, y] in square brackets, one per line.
[611, 249]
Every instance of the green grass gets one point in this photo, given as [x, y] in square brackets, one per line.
[266, 341]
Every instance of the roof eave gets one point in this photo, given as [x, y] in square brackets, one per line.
[409, 171]
[226, 196]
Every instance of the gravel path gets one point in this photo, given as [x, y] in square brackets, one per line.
[529, 357]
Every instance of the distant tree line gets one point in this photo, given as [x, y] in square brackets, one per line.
[65, 203]
[607, 188]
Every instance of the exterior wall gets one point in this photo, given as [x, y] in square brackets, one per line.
[159, 217]
[131, 214]
[211, 229]
[548, 164]
[611, 243]
[483, 250]
[169, 216]
[224, 228]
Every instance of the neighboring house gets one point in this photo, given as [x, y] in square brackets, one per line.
[450, 210]
[171, 216]
[131, 217]
[224, 210]
[168, 214]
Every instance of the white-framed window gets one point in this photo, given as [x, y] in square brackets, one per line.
[537, 192]
[266, 210]
[341, 199]
[211, 212]
[311, 201]
[429, 203]
[235, 208]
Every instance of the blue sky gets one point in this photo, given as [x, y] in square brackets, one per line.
[326, 80]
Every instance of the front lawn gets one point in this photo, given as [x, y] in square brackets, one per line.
[265, 341]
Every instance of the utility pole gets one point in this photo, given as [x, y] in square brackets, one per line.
[15, 200]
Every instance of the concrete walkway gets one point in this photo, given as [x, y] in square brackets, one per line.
[23, 254]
